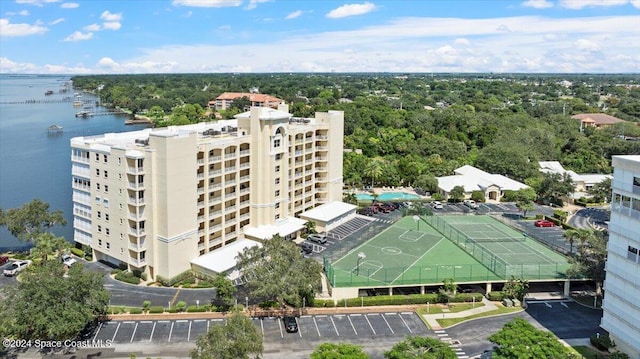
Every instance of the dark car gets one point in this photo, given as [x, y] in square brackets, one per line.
[306, 247]
[3, 260]
[290, 324]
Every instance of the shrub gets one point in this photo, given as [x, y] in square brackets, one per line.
[560, 215]
[186, 277]
[78, 252]
[203, 284]
[437, 197]
[478, 196]
[510, 196]
[122, 266]
[116, 271]
[496, 296]
[156, 309]
[322, 303]
[181, 306]
[602, 343]
[194, 309]
[146, 304]
[173, 310]
[135, 311]
[388, 300]
[269, 304]
[127, 277]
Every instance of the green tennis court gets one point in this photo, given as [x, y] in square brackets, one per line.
[410, 252]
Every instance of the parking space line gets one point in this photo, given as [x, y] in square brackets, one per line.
[385, 320]
[405, 324]
[189, 332]
[170, 332]
[134, 332]
[97, 331]
[370, 326]
[116, 332]
[299, 327]
[280, 326]
[316, 323]
[352, 327]
[334, 326]
[152, 330]
[209, 322]
[262, 326]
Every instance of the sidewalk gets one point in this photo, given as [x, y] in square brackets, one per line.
[433, 323]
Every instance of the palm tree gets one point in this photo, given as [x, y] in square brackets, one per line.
[374, 169]
[350, 197]
[582, 235]
[47, 244]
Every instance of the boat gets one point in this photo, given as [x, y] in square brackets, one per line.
[54, 129]
[49, 92]
[84, 114]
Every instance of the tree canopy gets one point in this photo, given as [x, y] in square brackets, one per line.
[276, 271]
[239, 338]
[52, 302]
[591, 257]
[32, 219]
[520, 339]
[338, 351]
[415, 347]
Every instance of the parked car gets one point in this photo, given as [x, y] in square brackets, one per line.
[543, 223]
[68, 260]
[470, 203]
[317, 238]
[306, 247]
[437, 204]
[3, 260]
[15, 268]
[290, 324]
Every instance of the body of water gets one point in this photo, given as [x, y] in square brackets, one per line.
[388, 196]
[34, 163]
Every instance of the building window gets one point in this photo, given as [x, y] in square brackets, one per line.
[106, 174]
[121, 236]
[121, 250]
[97, 157]
[277, 193]
[106, 188]
[98, 186]
[97, 172]
[106, 231]
[100, 242]
[99, 214]
[108, 245]
[278, 156]
[99, 229]
[276, 143]
[119, 160]
[105, 158]
[98, 200]
[277, 169]
[277, 205]
[106, 203]
[277, 217]
[278, 181]
[636, 181]
[106, 217]
[119, 175]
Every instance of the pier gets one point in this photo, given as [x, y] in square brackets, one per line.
[35, 102]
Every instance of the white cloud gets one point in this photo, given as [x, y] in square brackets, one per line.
[297, 13]
[351, 10]
[111, 26]
[92, 27]
[69, 5]
[112, 66]
[207, 3]
[462, 41]
[107, 16]
[503, 28]
[224, 27]
[24, 13]
[579, 4]
[79, 36]
[56, 21]
[35, 2]
[635, 3]
[587, 45]
[254, 4]
[537, 4]
[8, 29]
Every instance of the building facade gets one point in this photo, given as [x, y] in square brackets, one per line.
[156, 199]
[225, 100]
[621, 309]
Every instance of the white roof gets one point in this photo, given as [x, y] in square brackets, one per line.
[474, 179]
[328, 211]
[224, 258]
[587, 178]
[283, 227]
[265, 113]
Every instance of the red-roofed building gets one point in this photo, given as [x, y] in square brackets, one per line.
[597, 119]
[225, 100]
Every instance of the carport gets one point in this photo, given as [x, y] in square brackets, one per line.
[222, 260]
[329, 215]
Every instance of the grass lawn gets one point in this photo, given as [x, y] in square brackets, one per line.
[588, 352]
[454, 308]
[587, 300]
[447, 322]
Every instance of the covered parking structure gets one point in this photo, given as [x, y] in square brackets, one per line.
[223, 260]
[329, 215]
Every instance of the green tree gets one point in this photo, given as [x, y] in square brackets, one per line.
[338, 351]
[519, 339]
[478, 196]
[242, 104]
[32, 219]
[415, 347]
[47, 304]
[47, 244]
[276, 271]
[591, 258]
[601, 191]
[427, 182]
[374, 170]
[310, 226]
[525, 207]
[457, 193]
[516, 288]
[225, 291]
[350, 197]
[571, 235]
[238, 339]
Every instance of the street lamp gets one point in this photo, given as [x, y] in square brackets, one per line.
[361, 256]
[417, 219]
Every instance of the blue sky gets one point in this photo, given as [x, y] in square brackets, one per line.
[170, 36]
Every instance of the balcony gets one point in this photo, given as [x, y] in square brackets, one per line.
[245, 165]
[245, 216]
[215, 186]
[230, 209]
[230, 169]
[245, 152]
[299, 141]
[231, 235]
[215, 158]
[80, 187]
[229, 155]
[322, 158]
[81, 213]
[200, 204]
[138, 246]
[215, 172]
[215, 228]
[81, 171]
[321, 168]
[138, 262]
[136, 186]
[136, 216]
[215, 214]
[244, 190]
[322, 137]
[201, 218]
[200, 176]
[244, 178]
[135, 170]
[215, 200]
[136, 201]
[79, 159]
[201, 161]
[200, 246]
[200, 232]
[200, 190]
[137, 231]
[244, 203]
[232, 182]
[298, 153]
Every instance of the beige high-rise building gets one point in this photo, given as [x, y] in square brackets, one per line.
[156, 199]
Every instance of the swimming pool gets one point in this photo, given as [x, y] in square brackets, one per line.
[388, 196]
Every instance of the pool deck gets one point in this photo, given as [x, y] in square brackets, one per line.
[381, 190]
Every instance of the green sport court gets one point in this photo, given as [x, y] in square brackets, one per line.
[434, 248]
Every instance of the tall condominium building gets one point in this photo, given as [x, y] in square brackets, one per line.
[156, 199]
[621, 316]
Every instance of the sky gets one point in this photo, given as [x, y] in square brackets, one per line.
[258, 36]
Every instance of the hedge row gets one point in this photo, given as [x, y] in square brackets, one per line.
[496, 296]
[399, 300]
[127, 277]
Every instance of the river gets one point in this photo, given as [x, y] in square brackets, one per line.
[37, 164]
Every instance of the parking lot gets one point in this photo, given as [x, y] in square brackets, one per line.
[483, 208]
[311, 328]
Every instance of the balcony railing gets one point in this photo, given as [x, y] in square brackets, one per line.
[321, 148]
[136, 231]
[230, 209]
[200, 204]
[201, 161]
[215, 199]
[232, 182]
[79, 159]
[244, 190]
[215, 172]
[215, 228]
[136, 216]
[135, 170]
[200, 176]
[215, 186]
[322, 137]
[215, 214]
[245, 178]
[137, 262]
[230, 155]
[321, 158]
[201, 246]
[81, 187]
[245, 152]
[230, 169]
[136, 201]
[245, 216]
[215, 158]
[136, 186]
[245, 165]
[244, 203]
[138, 246]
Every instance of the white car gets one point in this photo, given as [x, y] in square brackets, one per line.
[15, 267]
[437, 204]
[470, 203]
[68, 260]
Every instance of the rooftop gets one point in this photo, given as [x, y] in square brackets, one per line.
[282, 227]
[473, 179]
[597, 118]
[328, 211]
[253, 97]
[224, 258]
